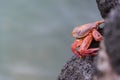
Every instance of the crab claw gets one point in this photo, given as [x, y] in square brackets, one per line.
[74, 50]
[85, 44]
[75, 45]
[96, 35]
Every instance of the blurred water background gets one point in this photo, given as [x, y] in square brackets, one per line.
[35, 36]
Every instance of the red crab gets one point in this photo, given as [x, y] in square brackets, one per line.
[84, 35]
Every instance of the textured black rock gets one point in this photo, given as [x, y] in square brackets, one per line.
[78, 69]
[105, 6]
[112, 38]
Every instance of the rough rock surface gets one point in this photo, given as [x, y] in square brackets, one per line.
[105, 6]
[79, 69]
[112, 38]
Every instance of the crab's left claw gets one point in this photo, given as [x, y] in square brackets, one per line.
[75, 45]
[74, 49]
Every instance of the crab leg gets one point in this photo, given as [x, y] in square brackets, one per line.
[99, 22]
[75, 45]
[85, 44]
[96, 35]
[91, 51]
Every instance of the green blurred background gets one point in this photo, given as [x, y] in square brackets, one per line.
[35, 36]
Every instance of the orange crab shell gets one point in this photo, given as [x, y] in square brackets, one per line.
[84, 30]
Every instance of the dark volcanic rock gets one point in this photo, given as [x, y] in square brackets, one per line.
[112, 38]
[105, 6]
[79, 69]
